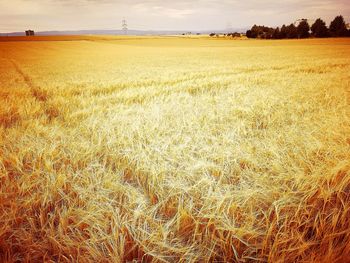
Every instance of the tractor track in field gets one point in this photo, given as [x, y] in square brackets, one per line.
[38, 93]
[28, 80]
[130, 175]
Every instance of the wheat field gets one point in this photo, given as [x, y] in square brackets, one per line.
[174, 149]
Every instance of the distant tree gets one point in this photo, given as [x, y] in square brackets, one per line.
[337, 27]
[276, 33]
[269, 33]
[255, 31]
[251, 34]
[291, 31]
[248, 33]
[212, 34]
[303, 29]
[283, 32]
[263, 32]
[236, 34]
[319, 28]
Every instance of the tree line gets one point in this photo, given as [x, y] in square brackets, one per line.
[337, 28]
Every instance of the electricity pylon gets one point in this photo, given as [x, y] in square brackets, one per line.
[125, 26]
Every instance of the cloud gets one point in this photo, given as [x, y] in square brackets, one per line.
[160, 10]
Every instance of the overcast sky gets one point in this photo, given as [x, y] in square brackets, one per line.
[17, 15]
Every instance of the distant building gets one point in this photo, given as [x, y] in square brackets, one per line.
[29, 32]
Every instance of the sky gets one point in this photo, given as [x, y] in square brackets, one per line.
[42, 15]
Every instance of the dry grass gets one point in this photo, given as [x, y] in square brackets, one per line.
[174, 149]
